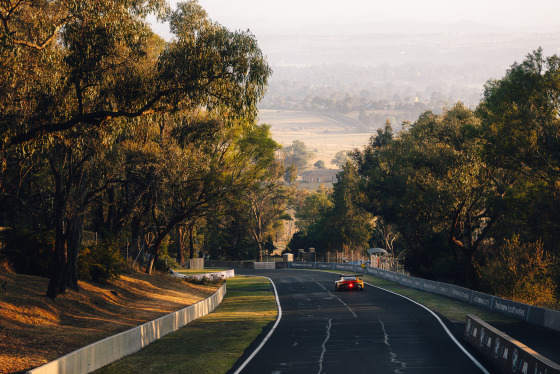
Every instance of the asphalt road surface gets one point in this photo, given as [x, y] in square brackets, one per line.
[326, 332]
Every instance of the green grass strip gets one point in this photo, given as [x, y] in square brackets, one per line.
[453, 310]
[211, 344]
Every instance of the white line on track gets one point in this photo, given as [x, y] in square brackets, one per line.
[471, 357]
[267, 335]
[474, 360]
[338, 298]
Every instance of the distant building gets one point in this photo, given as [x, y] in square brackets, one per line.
[320, 175]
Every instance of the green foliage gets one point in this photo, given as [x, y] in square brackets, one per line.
[296, 157]
[105, 113]
[313, 208]
[165, 261]
[100, 262]
[340, 158]
[320, 164]
[523, 272]
[334, 221]
[520, 117]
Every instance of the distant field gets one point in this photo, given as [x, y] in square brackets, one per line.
[323, 135]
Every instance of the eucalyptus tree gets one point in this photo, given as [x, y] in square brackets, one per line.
[296, 157]
[349, 223]
[434, 186]
[521, 129]
[267, 202]
[312, 208]
[195, 175]
[520, 117]
[71, 67]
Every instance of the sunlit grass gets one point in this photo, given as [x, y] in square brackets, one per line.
[211, 344]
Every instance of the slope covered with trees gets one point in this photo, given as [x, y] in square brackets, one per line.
[106, 128]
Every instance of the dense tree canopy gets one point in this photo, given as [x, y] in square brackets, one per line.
[106, 125]
[463, 194]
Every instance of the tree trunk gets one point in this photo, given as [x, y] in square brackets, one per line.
[60, 254]
[154, 252]
[75, 231]
[180, 247]
[259, 252]
[191, 240]
[59, 265]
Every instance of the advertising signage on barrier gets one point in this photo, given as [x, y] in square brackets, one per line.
[405, 279]
[461, 293]
[302, 265]
[482, 300]
[511, 308]
[430, 286]
[503, 352]
[444, 289]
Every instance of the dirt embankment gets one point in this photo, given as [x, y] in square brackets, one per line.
[35, 329]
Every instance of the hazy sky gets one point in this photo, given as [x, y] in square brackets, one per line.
[280, 16]
[265, 16]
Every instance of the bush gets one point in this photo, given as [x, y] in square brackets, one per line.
[522, 272]
[164, 262]
[100, 262]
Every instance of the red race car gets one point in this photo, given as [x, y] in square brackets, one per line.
[349, 282]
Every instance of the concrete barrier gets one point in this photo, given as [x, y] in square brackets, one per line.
[264, 265]
[503, 352]
[210, 276]
[113, 348]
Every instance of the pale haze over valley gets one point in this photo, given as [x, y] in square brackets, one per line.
[348, 67]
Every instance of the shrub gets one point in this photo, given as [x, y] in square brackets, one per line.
[100, 262]
[522, 272]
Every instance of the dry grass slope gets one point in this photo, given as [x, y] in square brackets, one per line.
[35, 329]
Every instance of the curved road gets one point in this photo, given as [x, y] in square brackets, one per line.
[326, 332]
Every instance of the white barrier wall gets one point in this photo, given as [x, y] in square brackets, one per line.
[535, 315]
[211, 276]
[113, 348]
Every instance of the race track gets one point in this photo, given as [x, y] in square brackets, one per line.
[326, 332]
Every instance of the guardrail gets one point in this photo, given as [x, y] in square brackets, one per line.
[210, 276]
[113, 348]
[534, 315]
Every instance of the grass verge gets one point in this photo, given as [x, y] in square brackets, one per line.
[211, 344]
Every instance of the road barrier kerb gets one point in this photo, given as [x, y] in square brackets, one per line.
[210, 276]
[96, 355]
[534, 315]
[504, 352]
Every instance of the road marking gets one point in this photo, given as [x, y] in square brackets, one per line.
[324, 346]
[338, 298]
[269, 333]
[474, 360]
[391, 353]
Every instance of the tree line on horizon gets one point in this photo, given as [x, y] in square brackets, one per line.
[470, 197]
